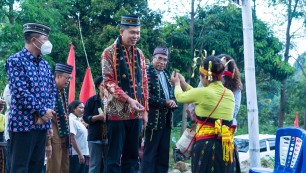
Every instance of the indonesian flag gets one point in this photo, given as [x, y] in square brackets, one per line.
[71, 61]
[296, 121]
[88, 88]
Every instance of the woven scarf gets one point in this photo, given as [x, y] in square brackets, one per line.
[62, 114]
[128, 70]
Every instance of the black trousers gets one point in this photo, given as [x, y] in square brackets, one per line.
[27, 151]
[123, 151]
[75, 166]
[7, 156]
[156, 151]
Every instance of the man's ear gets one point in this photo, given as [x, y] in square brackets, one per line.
[121, 32]
[32, 40]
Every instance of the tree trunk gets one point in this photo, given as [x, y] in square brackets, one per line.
[10, 15]
[282, 104]
[189, 70]
[290, 16]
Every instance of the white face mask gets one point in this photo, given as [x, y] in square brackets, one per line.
[45, 48]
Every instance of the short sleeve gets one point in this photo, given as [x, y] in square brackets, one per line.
[73, 128]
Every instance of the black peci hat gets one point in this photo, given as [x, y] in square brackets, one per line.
[64, 68]
[36, 27]
[130, 20]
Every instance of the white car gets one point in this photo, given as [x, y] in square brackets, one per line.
[266, 144]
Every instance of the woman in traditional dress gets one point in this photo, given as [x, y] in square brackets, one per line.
[212, 151]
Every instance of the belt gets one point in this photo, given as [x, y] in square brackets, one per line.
[217, 130]
[205, 131]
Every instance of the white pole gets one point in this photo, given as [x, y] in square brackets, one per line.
[250, 82]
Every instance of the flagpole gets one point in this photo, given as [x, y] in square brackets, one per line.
[79, 25]
[80, 29]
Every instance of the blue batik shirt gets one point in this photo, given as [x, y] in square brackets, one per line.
[32, 89]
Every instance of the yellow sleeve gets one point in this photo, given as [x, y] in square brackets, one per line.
[189, 96]
[189, 87]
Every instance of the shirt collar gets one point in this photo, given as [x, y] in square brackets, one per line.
[97, 97]
[30, 56]
[159, 72]
[73, 117]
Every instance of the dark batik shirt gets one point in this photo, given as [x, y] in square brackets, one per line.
[32, 88]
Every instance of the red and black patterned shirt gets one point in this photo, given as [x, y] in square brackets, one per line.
[117, 107]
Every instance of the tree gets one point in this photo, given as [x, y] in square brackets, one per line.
[215, 28]
[296, 93]
[7, 10]
[99, 20]
[194, 7]
[219, 28]
[11, 37]
[294, 10]
[176, 36]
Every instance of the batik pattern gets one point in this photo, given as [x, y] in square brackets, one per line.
[117, 107]
[32, 88]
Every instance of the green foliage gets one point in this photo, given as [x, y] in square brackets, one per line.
[296, 93]
[99, 20]
[216, 28]
[219, 28]
[2, 76]
[267, 162]
[11, 39]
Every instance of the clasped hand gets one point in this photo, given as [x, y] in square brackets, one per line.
[101, 117]
[177, 78]
[171, 104]
[48, 116]
[135, 105]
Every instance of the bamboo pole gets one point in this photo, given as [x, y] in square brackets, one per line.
[250, 82]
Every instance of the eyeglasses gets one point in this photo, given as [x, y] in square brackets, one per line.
[67, 77]
[159, 58]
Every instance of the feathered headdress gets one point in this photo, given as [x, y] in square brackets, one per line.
[208, 73]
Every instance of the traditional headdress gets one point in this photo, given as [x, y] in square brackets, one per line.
[64, 68]
[130, 20]
[36, 27]
[209, 73]
[202, 56]
[161, 50]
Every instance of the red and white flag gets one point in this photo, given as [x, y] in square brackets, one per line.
[88, 88]
[71, 61]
